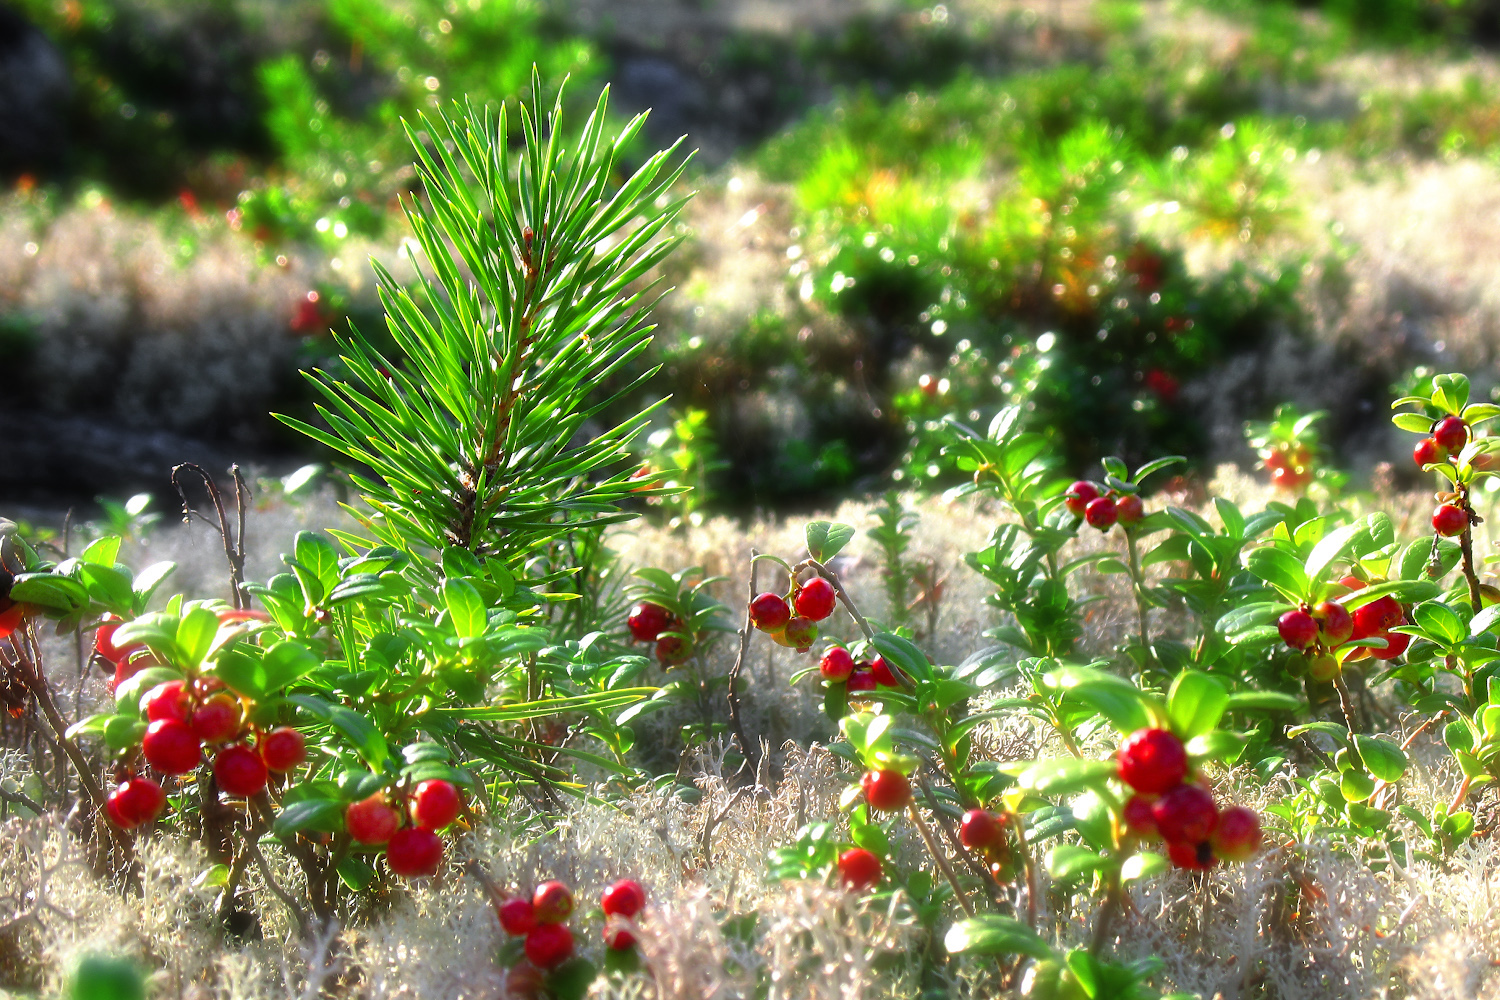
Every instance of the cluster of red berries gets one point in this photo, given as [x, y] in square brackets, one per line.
[1166, 805]
[773, 614]
[1447, 439]
[412, 850]
[185, 716]
[648, 621]
[838, 666]
[542, 922]
[1102, 509]
[1318, 631]
[1290, 465]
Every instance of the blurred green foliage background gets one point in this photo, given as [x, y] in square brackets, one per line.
[974, 206]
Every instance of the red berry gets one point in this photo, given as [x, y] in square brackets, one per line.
[1395, 645]
[1449, 520]
[414, 852]
[549, 945]
[1238, 835]
[617, 934]
[769, 612]
[881, 671]
[217, 720]
[239, 770]
[135, 802]
[171, 747]
[372, 820]
[1129, 509]
[860, 680]
[104, 642]
[1427, 452]
[1375, 617]
[1289, 479]
[1277, 458]
[1080, 495]
[1152, 761]
[1334, 621]
[800, 633]
[816, 599]
[10, 617]
[1298, 629]
[517, 917]
[836, 664]
[671, 650]
[1451, 433]
[553, 902]
[169, 700]
[886, 790]
[859, 869]
[625, 898]
[283, 749]
[980, 829]
[1186, 813]
[647, 621]
[435, 804]
[1139, 819]
[1101, 513]
[1194, 856]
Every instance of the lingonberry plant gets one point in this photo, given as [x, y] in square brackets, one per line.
[393, 687]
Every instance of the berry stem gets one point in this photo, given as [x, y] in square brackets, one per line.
[1466, 546]
[751, 752]
[1138, 579]
[1106, 913]
[937, 855]
[1460, 795]
[1346, 703]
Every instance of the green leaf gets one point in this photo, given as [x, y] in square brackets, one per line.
[1195, 703]
[465, 608]
[355, 874]
[1263, 701]
[1065, 776]
[1485, 621]
[1440, 621]
[1450, 393]
[48, 590]
[1156, 466]
[902, 653]
[826, 539]
[1331, 547]
[994, 934]
[323, 815]
[124, 731]
[103, 551]
[1417, 423]
[363, 736]
[1143, 865]
[1384, 760]
[571, 980]
[195, 635]
[1281, 570]
[1067, 861]
[1356, 786]
[1218, 744]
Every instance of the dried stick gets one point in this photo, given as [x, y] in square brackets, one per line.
[234, 551]
[937, 855]
[750, 752]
